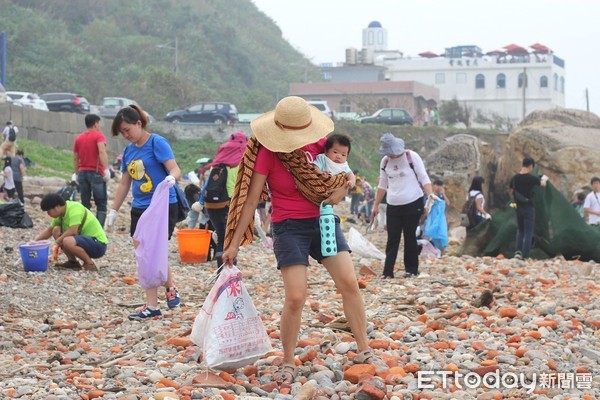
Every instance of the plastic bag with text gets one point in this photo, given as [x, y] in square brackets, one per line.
[361, 246]
[228, 328]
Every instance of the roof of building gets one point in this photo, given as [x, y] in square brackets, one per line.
[384, 87]
[375, 24]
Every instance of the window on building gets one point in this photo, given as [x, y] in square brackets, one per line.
[479, 81]
[562, 84]
[461, 78]
[555, 78]
[500, 81]
[522, 77]
[345, 106]
[440, 78]
[544, 81]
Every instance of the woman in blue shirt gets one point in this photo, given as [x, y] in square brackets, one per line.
[147, 161]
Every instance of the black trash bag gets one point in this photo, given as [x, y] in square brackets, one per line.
[13, 215]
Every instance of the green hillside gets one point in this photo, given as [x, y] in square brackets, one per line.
[364, 157]
[227, 50]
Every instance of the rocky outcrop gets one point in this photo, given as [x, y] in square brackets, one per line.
[457, 160]
[565, 144]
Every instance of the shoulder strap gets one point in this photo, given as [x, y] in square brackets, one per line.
[162, 165]
[412, 166]
[386, 159]
[85, 212]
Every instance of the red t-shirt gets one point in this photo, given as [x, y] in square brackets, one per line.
[287, 201]
[86, 147]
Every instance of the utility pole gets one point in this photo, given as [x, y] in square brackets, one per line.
[176, 57]
[3, 58]
[176, 48]
[524, 86]
[587, 100]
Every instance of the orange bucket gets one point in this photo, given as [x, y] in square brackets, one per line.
[193, 245]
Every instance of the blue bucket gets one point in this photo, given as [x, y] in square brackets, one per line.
[35, 255]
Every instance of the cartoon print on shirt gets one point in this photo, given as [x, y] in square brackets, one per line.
[137, 171]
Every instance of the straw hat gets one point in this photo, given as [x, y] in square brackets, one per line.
[293, 124]
[391, 145]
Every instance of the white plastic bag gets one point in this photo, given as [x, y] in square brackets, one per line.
[428, 250]
[361, 246]
[228, 328]
[265, 241]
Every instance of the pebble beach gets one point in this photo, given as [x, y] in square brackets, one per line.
[467, 328]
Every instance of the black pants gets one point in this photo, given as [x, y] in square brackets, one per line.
[355, 200]
[403, 219]
[218, 219]
[19, 187]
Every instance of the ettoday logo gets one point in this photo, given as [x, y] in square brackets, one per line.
[504, 380]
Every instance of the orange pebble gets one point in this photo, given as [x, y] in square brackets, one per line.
[533, 334]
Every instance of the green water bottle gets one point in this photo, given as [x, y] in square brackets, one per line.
[327, 227]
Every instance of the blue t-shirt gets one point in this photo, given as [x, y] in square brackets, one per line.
[145, 167]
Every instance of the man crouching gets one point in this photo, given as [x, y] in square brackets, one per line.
[76, 231]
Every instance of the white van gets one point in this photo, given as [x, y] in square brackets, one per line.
[323, 107]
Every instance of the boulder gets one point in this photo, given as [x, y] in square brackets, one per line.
[456, 161]
[564, 143]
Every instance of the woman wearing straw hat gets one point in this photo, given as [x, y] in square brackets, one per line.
[403, 177]
[277, 155]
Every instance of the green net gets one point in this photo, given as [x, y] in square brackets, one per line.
[559, 230]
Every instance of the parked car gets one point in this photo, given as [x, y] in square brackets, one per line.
[68, 102]
[205, 112]
[323, 107]
[28, 99]
[389, 116]
[111, 105]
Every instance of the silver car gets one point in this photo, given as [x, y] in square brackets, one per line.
[111, 106]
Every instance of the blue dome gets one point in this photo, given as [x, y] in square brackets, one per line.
[375, 24]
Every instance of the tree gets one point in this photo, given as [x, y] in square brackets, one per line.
[451, 112]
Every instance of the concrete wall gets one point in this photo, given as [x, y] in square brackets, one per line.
[59, 129]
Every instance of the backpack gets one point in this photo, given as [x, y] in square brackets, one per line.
[68, 192]
[215, 195]
[12, 134]
[469, 212]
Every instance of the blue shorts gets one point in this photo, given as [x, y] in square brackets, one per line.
[295, 239]
[91, 245]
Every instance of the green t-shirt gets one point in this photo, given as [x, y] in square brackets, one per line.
[74, 215]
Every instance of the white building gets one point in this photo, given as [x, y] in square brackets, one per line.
[490, 84]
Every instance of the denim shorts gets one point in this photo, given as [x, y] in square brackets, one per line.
[91, 245]
[295, 239]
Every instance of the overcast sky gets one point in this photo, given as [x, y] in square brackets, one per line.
[323, 29]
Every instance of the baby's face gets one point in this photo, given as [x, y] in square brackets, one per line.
[337, 153]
